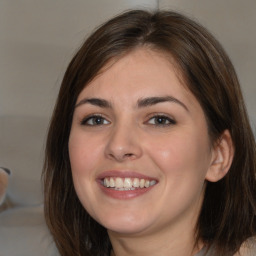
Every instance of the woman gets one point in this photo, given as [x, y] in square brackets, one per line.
[150, 151]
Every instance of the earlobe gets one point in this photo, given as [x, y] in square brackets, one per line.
[222, 156]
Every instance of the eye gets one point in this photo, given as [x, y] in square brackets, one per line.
[94, 120]
[161, 120]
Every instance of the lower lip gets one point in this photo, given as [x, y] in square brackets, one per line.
[125, 194]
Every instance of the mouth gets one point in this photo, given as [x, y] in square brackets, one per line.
[124, 184]
[127, 183]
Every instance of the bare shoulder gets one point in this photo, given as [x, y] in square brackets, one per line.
[248, 248]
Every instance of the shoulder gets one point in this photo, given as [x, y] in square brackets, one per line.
[248, 248]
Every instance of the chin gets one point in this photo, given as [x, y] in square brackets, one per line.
[125, 224]
[126, 229]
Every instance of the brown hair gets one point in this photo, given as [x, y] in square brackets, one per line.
[227, 217]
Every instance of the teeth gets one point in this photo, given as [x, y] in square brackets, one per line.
[152, 182]
[111, 183]
[106, 183]
[119, 183]
[136, 183]
[127, 183]
[142, 183]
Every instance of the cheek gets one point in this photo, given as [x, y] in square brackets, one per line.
[182, 162]
[83, 154]
[83, 163]
[182, 155]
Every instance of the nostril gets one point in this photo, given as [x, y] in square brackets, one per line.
[128, 155]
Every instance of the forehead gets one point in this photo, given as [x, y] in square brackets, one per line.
[142, 71]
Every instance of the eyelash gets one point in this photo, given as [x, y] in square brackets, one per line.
[163, 120]
[92, 119]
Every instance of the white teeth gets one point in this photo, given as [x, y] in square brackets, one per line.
[124, 189]
[136, 183]
[127, 183]
[119, 183]
[111, 183]
[142, 183]
[152, 182]
[106, 183]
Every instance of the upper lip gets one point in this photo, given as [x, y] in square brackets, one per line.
[123, 174]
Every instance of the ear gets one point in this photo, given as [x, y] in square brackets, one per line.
[222, 156]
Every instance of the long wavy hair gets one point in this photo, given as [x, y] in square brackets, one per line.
[227, 217]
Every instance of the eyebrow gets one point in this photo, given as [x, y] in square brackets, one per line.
[144, 102]
[94, 101]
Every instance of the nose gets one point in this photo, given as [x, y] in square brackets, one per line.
[123, 144]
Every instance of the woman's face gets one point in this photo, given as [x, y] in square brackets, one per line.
[139, 147]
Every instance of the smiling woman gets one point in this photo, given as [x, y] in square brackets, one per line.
[150, 147]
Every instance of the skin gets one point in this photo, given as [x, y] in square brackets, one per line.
[176, 151]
